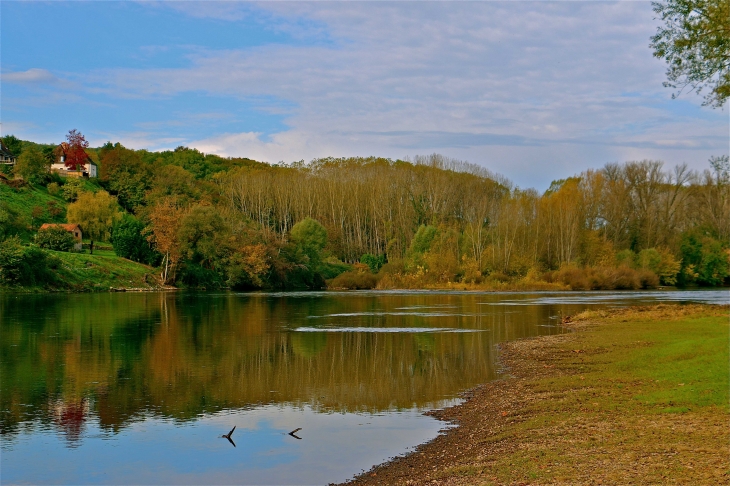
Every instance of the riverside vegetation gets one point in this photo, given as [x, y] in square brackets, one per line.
[198, 220]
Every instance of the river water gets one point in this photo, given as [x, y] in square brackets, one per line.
[137, 388]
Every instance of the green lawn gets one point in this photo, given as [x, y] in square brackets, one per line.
[640, 396]
[81, 272]
[21, 202]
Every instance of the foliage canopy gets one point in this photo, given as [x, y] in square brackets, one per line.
[695, 42]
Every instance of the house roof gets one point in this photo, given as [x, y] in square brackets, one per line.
[67, 227]
[4, 150]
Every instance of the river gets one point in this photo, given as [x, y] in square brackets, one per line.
[132, 388]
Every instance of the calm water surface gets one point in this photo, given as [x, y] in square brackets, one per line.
[137, 388]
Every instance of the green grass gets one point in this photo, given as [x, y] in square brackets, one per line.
[21, 202]
[100, 271]
[82, 272]
[641, 396]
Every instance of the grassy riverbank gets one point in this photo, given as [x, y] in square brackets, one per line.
[82, 272]
[635, 396]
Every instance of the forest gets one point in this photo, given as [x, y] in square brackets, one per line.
[205, 221]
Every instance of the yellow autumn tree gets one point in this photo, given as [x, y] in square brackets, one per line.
[165, 220]
[95, 212]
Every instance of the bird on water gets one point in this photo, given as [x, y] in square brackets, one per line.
[228, 436]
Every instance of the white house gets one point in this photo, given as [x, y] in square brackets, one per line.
[87, 170]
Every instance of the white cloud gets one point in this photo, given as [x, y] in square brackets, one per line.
[533, 89]
[31, 76]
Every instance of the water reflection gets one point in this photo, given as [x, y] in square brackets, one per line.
[100, 366]
[182, 355]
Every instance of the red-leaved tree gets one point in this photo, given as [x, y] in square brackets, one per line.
[74, 150]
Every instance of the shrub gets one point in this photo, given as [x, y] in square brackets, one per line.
[470, 272]
[393, 267]
[53, 189]
[55, 238]
[621, 278]
[197, 276]
[11, 260]
[353, 280]
[603, 278]
[332, 268]
[661, 262]
[498, 276]
[21, 265]
[648, 279]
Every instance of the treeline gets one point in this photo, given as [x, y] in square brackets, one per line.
[209, 221]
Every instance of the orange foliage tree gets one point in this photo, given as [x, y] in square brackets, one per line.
[165, 220]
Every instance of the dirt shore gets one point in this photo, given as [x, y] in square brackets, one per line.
[557, 418]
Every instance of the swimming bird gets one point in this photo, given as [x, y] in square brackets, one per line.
[228, 436]
[294, 432]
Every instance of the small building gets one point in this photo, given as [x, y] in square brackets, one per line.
[88, 169]
[74, 229]
[6, 157]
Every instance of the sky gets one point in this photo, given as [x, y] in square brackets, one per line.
[535, 91]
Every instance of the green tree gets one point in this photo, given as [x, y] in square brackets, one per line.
[130, 241]
[310, 237]
[95, 213]
[13, 144]
[200, 235]
[71, 188]
[705, 260]
[422, 240]
[173, 181]
[32, 166]
[695, 42]
[372, 261]
[125, 173]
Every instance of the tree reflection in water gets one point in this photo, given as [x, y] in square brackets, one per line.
[121, 357]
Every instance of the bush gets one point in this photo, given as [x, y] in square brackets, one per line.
[621, 278]
[603, 278]
[53, 189]
[332, 268]
[196, 276]
[648, 279]
[20, 265]
[393, 267]
[661, 262]
[55, 238]
[498, 277]
[353, 280]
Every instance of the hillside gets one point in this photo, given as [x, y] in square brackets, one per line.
[25, 208]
